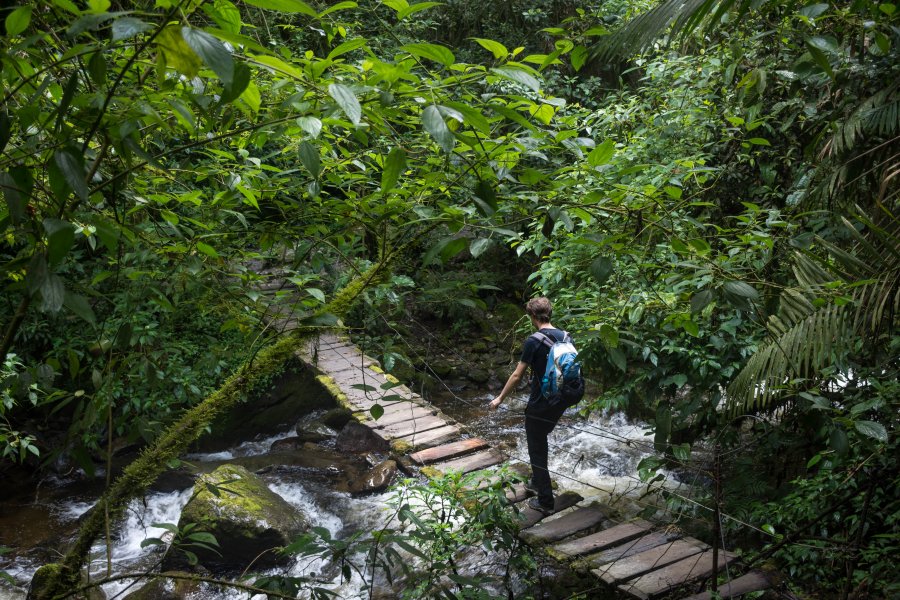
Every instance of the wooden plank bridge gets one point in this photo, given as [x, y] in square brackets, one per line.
[635, 558]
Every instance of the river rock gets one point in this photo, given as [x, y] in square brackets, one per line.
[356, 437]
[336, 418]
[314, 432]
[376, 479]
[479, 376]
[247, 519]
[164, 588]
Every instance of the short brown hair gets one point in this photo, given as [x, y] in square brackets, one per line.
[539, 308]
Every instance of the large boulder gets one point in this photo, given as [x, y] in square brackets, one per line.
[376, 479]
[356, 437]
[248, 520]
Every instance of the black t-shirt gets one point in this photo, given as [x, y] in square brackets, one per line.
[534, 354]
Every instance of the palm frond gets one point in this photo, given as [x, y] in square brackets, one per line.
[682, 16]
[877, 115]
[805, 339]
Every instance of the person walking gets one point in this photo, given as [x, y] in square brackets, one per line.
[540, 418]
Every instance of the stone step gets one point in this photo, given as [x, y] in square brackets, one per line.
[604, 539]
[447, 451]
[471, 462]
[754, 581]
[659, 582]
[576, 521]
[648, 560]
[531, 517]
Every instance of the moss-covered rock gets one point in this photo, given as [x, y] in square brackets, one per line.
[179, 585]
[336, 418]
[249, 521]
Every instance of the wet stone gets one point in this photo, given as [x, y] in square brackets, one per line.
[376, 479]
[356, 437]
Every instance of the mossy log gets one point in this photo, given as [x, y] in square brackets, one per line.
[59, 580]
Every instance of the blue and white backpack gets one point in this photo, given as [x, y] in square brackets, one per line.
[562, 383]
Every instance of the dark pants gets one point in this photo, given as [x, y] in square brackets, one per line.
[539, 422]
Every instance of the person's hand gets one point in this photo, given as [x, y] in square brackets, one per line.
[496, 402]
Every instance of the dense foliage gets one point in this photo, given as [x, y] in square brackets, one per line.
[708, 192]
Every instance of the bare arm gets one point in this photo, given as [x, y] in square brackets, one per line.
[511, 384]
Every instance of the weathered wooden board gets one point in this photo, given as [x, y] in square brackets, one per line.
[471, 462]
[415, 426]
[403, 413]
[563, 501]
[447, 451]
[604, 539]
[552, 531]
[635, 546]
[663, 580]
[754, 581]
[425, 439]
[648, 560]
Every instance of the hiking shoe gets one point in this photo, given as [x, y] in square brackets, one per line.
[536, 505]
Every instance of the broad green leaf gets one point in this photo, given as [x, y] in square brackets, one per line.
[207, 250]
[99, 6]
[251, 97]
[759, 141]
[578, 57]
[433, 121]
[310, 125]
[316, 293]
[239, 84]
[838, 441]
[346, 99]
[821, 59]
[288, 6]
[277, 64]
[485, 198]
[700, 300]
[812, 11]
[609, 335]
[211, 51]
[739, 288]
[602, 154]
[872, 429]
[453, 247]
[80, 306]
[377, 411]
[337, 7]
[431, 51]
[176, 52]
[225, 14]
[601, 269]
[518, 75]
[52, 293]
[18, 20]
[495, 48]
[348, 46]
[617, 358]
[60, 237]
[471, 117]
[409, 10]
[394, 165]
[71, 166]
[309, 156]
[691, 328]
[478, 246]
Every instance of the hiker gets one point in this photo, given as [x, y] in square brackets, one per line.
[540, 419]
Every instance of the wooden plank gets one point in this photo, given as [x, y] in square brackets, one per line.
[661, 581]
[405, 413]
[604, 539]
[645, 542]
[471, 462]
[415, 426]
[447, 451]
[563, 501]
[754, 581]
[648, 560]
[425, 439]
[570, 524]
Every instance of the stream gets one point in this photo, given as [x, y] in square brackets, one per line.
[596, 458]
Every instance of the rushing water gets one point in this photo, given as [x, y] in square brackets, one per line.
[596, 458]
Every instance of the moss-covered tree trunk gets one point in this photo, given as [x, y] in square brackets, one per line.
[61, 579]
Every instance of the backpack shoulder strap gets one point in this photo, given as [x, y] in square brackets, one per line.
[543, 338]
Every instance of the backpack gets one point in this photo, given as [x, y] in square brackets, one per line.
[563, 383]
